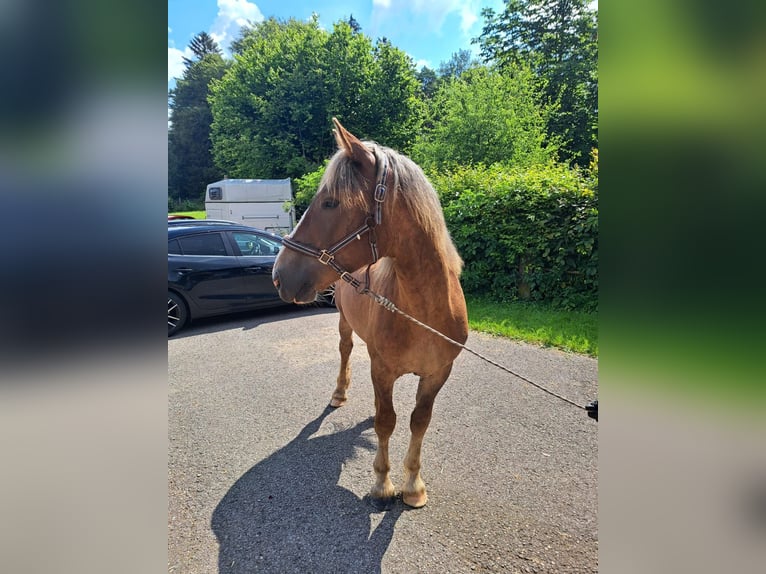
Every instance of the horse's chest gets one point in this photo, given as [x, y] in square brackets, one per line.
[404, 346]
[410, 349]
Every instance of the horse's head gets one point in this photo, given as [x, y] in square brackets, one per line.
[339, 231]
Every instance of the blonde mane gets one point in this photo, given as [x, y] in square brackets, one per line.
[411, 188]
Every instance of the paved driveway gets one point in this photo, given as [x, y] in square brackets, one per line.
[263, 477]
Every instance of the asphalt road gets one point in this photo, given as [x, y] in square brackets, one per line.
[263, 477]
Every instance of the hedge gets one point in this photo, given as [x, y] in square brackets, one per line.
[525, 234]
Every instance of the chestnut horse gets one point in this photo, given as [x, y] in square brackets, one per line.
[376, 214]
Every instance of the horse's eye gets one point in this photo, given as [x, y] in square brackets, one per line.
[330, 204]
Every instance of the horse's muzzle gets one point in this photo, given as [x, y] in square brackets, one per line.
[294, 285]
[283, 293]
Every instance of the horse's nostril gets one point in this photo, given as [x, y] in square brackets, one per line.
[275, 279]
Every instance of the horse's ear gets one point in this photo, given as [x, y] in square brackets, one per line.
[350, 144]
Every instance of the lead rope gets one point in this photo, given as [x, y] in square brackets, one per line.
[387, 304]
[327, 257]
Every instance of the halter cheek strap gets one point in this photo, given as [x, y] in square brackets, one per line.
[327, 256]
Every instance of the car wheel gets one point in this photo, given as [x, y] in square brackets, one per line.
[177, 313]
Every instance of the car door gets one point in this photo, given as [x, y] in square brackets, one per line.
[207, 272]
[257, 254]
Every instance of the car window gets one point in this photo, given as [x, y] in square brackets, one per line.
[254, 244]
[173, 247]
[203, 244]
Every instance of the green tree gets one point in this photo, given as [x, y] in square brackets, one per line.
[352, 22]
[485, 117]
[348, 78]
[395, 110]
[558, 40]
[202, 45]
[428, 82]
[190, 160]
[460, 62]
[272, 110]
[268, 106]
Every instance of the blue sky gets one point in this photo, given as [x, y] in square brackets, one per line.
[430, 31]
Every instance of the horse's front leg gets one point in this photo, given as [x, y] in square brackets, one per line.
[414, 489]
[383, 493]
[339, 397]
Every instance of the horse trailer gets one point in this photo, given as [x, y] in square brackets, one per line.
[263, 203]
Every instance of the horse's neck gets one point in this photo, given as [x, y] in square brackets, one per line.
[421, 273]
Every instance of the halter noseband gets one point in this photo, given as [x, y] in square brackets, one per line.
[327, 256]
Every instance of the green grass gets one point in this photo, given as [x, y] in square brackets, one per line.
[194, 214]
[536, 323]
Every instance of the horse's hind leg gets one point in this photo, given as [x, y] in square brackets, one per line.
[414, 489]
[344, 376]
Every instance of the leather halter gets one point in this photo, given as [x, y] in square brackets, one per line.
[327, 256]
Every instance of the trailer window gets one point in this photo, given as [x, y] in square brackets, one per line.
[215, 193]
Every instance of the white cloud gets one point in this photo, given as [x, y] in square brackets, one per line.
[420, 63]
[175, 61]
[233, 15]
[434, 12]
[467, 18]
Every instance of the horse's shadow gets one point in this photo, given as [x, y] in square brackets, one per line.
[288, 514]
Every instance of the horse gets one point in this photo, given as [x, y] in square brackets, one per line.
[373, 192]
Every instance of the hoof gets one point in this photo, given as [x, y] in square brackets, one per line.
[381, 504]
[415, 500]
[335, 403]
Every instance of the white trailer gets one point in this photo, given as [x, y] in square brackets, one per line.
[262, 203]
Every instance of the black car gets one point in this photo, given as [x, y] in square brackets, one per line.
[218, 268]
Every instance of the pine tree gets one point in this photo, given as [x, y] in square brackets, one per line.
[190, 160]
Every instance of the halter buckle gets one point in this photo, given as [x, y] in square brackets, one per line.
[325, 257]
[380, 193]
[348, 278]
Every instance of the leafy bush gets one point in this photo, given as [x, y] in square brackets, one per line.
[487, 117]
[527, 234]
[305, 188]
